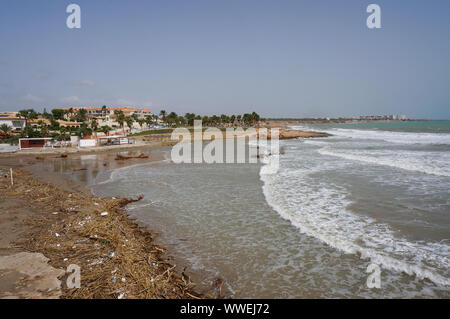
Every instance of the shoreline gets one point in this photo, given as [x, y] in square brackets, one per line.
[152, 141]
[98, 244]
[101, 279]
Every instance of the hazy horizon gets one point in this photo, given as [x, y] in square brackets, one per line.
[287, 59]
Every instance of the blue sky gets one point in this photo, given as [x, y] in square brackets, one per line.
[278, 58]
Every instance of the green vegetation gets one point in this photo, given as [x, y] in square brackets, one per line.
[175, 120]
[155, 131]
[48, 125]
[29, 114]
[5, 130]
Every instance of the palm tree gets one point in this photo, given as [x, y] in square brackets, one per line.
[149, 120]
[205, 120]
[6, 129]
[129, 120]
[120, 118]
[104, 110]
[84, 130]
[27, 115]
[94, 126]
[106, 129]
[214, 120]
[181, 120]
[247, 119]
[44, 131]
[62, 132]
[172, 118]
[81, 115]
[189, 118]
[163, 113]
[141, 122]
[255, 118]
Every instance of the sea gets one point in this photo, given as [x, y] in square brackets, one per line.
[371, 200]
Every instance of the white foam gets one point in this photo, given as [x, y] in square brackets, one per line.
[320, 210]
[387, 136]
[406, 161]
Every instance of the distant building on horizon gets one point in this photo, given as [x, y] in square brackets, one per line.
[383, 117]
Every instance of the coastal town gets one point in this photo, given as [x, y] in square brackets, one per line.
[79, 127]
[91, 127]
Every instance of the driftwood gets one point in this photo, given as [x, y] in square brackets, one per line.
[120, 157]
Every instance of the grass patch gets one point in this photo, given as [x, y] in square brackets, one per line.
[156, 131]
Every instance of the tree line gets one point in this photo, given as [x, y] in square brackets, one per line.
[171, 119]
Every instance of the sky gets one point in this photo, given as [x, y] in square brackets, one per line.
[301, 58]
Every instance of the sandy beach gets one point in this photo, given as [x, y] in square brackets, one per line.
[51, 221]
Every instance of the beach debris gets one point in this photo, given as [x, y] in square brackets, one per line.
[217, 284]
[97, 261]
[104, 214]
[63, 155]
[98, 246]
[120, 157]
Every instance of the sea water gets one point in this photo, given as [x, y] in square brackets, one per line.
[375, 193]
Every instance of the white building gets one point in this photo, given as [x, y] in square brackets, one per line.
[12, 120]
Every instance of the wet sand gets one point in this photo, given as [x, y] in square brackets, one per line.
[39, 216]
